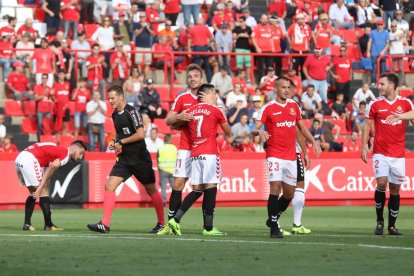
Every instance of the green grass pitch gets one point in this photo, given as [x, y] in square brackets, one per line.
[342, 243]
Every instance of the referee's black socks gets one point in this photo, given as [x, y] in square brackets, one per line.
[28, 209]
[44, 203]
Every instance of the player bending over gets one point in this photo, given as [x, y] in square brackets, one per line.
[29, 164]
[133, 159]
[205, 159]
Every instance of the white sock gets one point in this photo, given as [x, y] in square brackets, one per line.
[298, 202]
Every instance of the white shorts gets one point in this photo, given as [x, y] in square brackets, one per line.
[28, 166]
[183, 164]
[205, 169]
[391, 167]
[141, 57]
[282, 170]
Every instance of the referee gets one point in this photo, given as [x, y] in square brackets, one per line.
[133, 159]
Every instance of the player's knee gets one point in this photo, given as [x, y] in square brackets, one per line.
[394, 189]
[179, 184]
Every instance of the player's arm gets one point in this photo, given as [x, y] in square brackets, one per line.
[308, 136]
[46, 176]
[175, 119]
[227, 129]
[302, 143]
[394, 117]
[264, 135]
[137, 136]
[365, 138]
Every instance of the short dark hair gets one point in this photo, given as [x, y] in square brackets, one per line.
[96, 45]
[195, 67]
[316, 121]
[11, 18]
[310, 86]
[362, 103]
[117, 89]
[391, 77]
[282, 79]
[80, 144]
[167, 138]
[204, 87]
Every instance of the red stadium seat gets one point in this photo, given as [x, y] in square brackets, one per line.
[349, 36]
[48, 138]
[13, 108]
[29, 108]
[109, 125]
[29, 125]
[65, 141]
[109, 110]
[406, 92]
[342, 125]
[164, 92]
[352, 51]
[307, 123]
[175, 91]
[335, 50]
[162, 127]
[166, 106]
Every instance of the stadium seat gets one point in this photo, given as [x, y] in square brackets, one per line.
[166, 106]
[65, 141]
[48, 138]
[349, 36]
[29, 125]
[307, 123]
[342, 125]
[13, 108]
[10, 11]
[175, 91]
[109, 125]
[335, 50]
[406, 92]
[109, 110]
[23, 13]
[29, 108]
[352, 51]
[162, 127]
[90, 29]
[39, 15]
[164, 92]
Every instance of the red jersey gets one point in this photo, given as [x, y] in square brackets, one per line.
[82, 97]
[349, 147]
[61, 92]
[324, 38]
[342, 68]
[71, 13]
[224, 145]
[11, 148]
[181, 103]
[300, 36]
[172, 6]
[218, 20]
[200, 35]
[247, 148]
[389, 138]
[6, 49]
[263, 36]
[46, 153]
[317, 67]
[203, 129]
[6, 30]
[241, 82]
[91, 60]
[44, 58]
[24, 29]
[153, 15]
[164, 50]
[270, 84]
[18, 81]
[45, 104]
[123, 65]
[277, 35]
[278, 6]
[280, 122]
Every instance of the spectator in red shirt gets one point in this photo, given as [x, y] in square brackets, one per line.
[324, 34]
[6, 55]
[9, 30]
[60, 95]
[45, 62]
[119, 64]
[44, 103]
[8, 145]
[153, 16]
[343, 72]
[19, 84]
[267, 82]
[240, 78]
[262, 41]
[352, 144]
[28, 28]
[95, 64]
[81, 95]
[279, 7]
[246, 144]
[291, 74]
[162, 56]
[70, 16]
[172, 9]
[199, 39]
[220, 17]
[316, 70]
[277, 36]
[225, 145]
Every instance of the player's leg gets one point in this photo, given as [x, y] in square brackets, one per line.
[274, 173]
[28, 210]
[396, 179]
[381, 170]
[44, 203]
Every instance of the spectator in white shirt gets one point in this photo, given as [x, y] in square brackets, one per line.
[81, 44]
[234, 96]
[222, 82]
[402, 25]
[397, 42]
[250, 20]
[363, 94]
[96, 109]
[153, 142]
[339, 15]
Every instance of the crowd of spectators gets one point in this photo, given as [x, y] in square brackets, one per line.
[67, 65]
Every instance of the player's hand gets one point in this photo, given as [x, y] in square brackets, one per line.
[118, 148]
[184, 116]
[393, 118]
[36, 194]
[264, 135]
[307, 161]
[364, 155]
[316, 149]
[112, 144]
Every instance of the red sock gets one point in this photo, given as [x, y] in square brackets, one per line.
[108, 205]
[159, 208]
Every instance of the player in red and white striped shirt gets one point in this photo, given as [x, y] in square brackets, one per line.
[389, 146]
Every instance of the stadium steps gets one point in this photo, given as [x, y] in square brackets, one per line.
[259, 7]
[409, 138]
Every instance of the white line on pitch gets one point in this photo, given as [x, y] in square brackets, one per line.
[146, 237]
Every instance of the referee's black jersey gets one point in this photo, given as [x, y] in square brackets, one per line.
[126, 124]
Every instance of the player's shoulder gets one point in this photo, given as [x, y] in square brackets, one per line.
[292, 102]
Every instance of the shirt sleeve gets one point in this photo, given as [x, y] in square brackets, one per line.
[371, 113]
[262, 115]
[136, 118]
[220, 116]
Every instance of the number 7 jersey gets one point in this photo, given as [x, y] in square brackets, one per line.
[203, 128]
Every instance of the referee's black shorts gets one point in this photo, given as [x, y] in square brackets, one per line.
[301, 169]
[142, 170]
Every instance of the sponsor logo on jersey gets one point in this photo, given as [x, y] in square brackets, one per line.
[399, 122]
[187, 104]
[292, 111]
[277, 113]
[382, 110]
[286, 124]
[198, 158]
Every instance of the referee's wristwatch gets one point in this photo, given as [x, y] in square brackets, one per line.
[120, 142]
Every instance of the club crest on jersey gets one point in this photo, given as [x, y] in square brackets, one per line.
[126, 130]
[292, 111]
[399, 109]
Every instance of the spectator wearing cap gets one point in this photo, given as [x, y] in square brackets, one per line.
[95, 65]
[52, 10]
[123, 30]
[253, 111]
[262, 41]
[267, 82]
[279, 7]
[222, 82]
[291, 74]
[81, 44]
[120, 64]
[10, 29]
[343, 72]
[104, 36]
[171, 10]
[324, 35]
[316, 70]
[220, 17]
[45, 62]
[151, 102]
[42, 94]
[397, 42]
[190, 8]
[339, 15]
[19, 84]
[234, 96]
[27, 28]
[277, 36]
[378, 45]
[311, 102]
[7, 56]
[143, 42]
[27, 47]
[70, 16]
[199, 39]
[153, 16]
[250, 20]
[388, 9]
[120, 6]
[299, 36]
[224, 39]
[242, 35]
